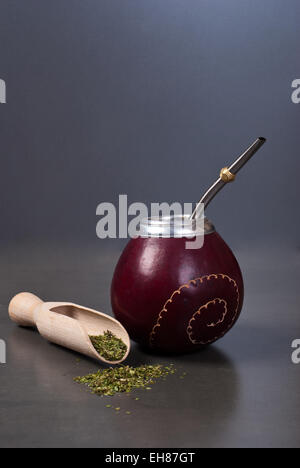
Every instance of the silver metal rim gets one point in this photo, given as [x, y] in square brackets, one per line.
[175, 227]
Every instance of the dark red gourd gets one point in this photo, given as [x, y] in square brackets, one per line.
[174, 299]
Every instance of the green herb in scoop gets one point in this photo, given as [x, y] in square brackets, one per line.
[109, 346]
[124, 378]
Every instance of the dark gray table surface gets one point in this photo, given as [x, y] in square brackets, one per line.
[243, 391]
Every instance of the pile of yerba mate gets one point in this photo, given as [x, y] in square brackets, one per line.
[124, 378]
[109, 346]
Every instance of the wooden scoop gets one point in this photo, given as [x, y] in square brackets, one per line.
[66, 324]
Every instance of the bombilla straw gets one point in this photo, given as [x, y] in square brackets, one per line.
[227, 175]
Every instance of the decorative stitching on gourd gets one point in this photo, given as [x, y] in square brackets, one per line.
[210, 325]
[189, 328]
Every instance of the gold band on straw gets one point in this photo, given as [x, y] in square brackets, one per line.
[226, 175]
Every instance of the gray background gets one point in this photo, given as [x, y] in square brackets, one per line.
[149, 98]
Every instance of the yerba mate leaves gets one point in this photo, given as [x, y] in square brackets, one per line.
[124, 379]
[109, 346]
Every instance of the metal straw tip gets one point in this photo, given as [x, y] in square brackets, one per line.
[262, 139]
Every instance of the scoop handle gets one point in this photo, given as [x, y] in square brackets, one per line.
[21, 309]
